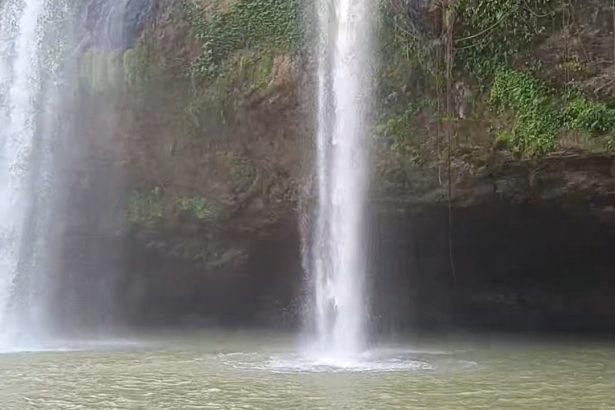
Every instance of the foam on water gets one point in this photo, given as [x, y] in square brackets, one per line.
[373, 361]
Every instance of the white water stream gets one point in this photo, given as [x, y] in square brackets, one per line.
[20, 84]
[338, 247]
[38, 78]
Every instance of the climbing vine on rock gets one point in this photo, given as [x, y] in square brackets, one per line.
[491, 33]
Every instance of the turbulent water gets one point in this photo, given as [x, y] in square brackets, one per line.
[258, 371]
[338, 250]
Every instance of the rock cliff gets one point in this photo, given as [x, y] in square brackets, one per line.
[493, 138]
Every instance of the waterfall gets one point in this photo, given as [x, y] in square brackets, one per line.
[338, 259]
[58, 179]
[20, 88]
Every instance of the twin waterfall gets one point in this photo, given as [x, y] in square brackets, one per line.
[36, 57]
[338, 254]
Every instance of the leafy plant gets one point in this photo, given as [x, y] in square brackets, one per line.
[196, 207]
[397, 128]
[149, 209]
[241, 169]
[142, 64]
[589, 116]
[491, 33]
[145, 209]
[244, 24]
[538, 120]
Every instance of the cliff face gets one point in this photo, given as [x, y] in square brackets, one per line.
[506, 104]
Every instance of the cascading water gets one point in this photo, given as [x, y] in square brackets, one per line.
[338, 246]
[46, 160]
[20, 87]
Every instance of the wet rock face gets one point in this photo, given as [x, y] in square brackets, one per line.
[135, 17]
[540, 266]
[162, 289]
[116, 23]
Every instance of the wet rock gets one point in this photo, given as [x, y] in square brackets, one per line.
[116, 23]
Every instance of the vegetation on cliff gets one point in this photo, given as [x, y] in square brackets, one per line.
[271, 26]
[207, 74]
[508, 81]
[215, 126]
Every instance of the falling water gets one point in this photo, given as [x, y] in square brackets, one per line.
[43, 157]
[338, 254]
[20, 85]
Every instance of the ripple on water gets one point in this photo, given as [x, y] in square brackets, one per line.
[375, 361]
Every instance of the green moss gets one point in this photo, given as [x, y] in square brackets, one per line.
[196, 207]
[397, 128]
[263, 70]
[145, 209]
[149, 209]
[137, 64]
[240, 168]
[246, 71]
[100, 70]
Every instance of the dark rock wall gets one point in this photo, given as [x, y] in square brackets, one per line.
[516, 267]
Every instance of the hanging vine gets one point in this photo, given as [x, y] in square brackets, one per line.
[448, 15]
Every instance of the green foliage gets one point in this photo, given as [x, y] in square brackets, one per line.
[410, 59]
[491, 33]
[151, 208]
[397, 127]
[263, 68]
[541, 115]
[240, 168]
[196, 207]
[145, 209]
[538, 121]
[243, 24]
[589, 116]
[247, 71]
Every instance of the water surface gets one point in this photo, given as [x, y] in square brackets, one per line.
[261, 371]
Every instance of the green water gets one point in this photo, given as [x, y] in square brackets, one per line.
[260, 371]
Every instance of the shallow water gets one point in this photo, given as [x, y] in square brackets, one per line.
[260, 371]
